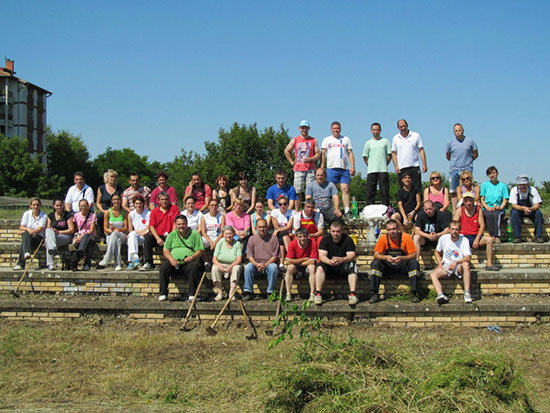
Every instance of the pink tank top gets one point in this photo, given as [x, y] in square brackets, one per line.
[436, 198]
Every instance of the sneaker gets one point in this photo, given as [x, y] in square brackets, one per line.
[318, 299]
[539, 240]
[219, 297]
[467, 297]
[52, 267]
[288, 298]
[442, 299]
[374, 298]
[207, 267]
[130, 267]
[347, 215]
[86, 267]
[352, 300]
[27, 255]
[311, 297]
[517, 240]
[163, 298]
[118, 267]
[492, 268]
[281, 267]
[247, 296]
[414, 297]
[191, 298]
[146, 267]
[18, 267]
[102, 263]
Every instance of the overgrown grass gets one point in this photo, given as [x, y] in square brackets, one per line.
[138, 367]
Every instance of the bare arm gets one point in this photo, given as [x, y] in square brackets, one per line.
[396, 166]
[323, 156]
[288, 150]
[352, 161]
[475, 154]
[422, 153]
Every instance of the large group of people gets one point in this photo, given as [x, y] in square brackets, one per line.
[296, 229]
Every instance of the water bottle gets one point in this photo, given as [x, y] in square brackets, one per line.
[509, 232]
[377, 230]
[354, 208]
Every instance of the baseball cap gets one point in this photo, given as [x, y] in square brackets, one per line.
[304, 123]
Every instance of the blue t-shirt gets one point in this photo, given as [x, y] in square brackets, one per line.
[322, 194]
[462, 154]
[274, 193]
[494, 194]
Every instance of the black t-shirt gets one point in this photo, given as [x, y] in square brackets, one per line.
[60, 225]
[428, 224]
[408, 198]
[339, 249]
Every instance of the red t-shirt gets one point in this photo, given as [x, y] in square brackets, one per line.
[163, 221]
[295, 252]
[198, 195]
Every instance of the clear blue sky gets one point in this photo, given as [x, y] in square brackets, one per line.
[162, 76]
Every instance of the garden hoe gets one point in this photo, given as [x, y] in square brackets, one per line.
[210, 330]
[183, 327]
[14, 293]
[253, 333]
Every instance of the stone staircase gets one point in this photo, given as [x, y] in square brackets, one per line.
[519, 294]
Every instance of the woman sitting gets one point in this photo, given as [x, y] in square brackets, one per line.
[467, 184]
[227, 262]
[240, 221]
[104, 195]
[211, 226]
[85, 222]
[116, 228]
[245, 192]
[138, 226]
[199, 191]
[439, 195]
[222, 194]
[282, 222]
[259, 212]
[193, 215]
[59, 231]
[31, 228]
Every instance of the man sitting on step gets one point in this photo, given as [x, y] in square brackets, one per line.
[301, 259]
[182, 249]
[525, 200]
[394, 252]
[453, 258]
[429, 227]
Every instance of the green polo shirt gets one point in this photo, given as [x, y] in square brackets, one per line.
[183, 247]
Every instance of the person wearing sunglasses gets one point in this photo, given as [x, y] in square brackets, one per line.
[467, 184]
[282, 223]
[439, 195]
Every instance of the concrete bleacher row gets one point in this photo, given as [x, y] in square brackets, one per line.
[524, 279]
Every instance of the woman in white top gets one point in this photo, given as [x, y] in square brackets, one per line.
[211, 225]
[193, 216]
[138, 225]
[282, 222]
[31, 228]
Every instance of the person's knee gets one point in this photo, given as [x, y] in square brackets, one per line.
[291, 269]
[345, 188]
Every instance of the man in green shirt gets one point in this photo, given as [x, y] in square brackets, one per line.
[182, 250]
[377, 156]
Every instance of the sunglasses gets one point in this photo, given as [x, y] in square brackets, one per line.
[466, 178]
[435, 178]
[282, 203]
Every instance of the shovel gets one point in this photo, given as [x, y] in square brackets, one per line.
[183, 327]
[254, 333]
[210, 330]
[14, 293]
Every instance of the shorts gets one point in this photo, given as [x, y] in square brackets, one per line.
[301, 178]
[301, 271]
[454, 181]
[470, 238]
[454, 272]
[338, 176]
[341, 271]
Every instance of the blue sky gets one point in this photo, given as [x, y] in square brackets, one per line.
[164, 76]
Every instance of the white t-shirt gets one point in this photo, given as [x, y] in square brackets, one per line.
[140, 221]
[281, 218]
[27, 220]
[212, 225]
[317, 218]
[452, 251]
[407, 149]
[194, 220]
[515, 192]
[74, 195]
[337, 151]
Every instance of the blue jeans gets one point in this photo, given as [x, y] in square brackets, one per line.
[454, 180]
[250, 271]
[517, 219]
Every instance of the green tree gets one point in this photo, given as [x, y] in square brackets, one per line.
[67, 154]
[22, 174]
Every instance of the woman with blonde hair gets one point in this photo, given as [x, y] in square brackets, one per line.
[437, 193]
[467, 184]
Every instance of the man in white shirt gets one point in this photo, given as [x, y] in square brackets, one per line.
[406, 148]
[525, 200]
[453, 258]
[80, 190]
[338, 152]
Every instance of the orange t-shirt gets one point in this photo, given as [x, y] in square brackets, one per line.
[407, 244]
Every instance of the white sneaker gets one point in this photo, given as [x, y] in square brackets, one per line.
[145, 267]
[18, 267]
[442, 299]
[318, 299]
[162, 298]
[467, 297]
[52, 267]
[281, 267]
[118, 267]
[102, 263]
[352, 299]
[311, 297]
[288, 298]
[27, 255]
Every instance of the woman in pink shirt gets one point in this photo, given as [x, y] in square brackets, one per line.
[240, 221]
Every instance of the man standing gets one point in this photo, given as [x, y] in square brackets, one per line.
[338, 152]
[281, 188]
[472, 226]
[161, 223]
[80, 190]
[394, 252]
[182, 249]
[134, 189]
[461, 152]
[301, 259]
[325, 196]
[377, 156]
[263, 253]
[453, 258]
[525, 201]
[337, 260]
[429, 227]
[406, 148]
[306, 152]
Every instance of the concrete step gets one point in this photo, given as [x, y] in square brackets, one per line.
[506, 312]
